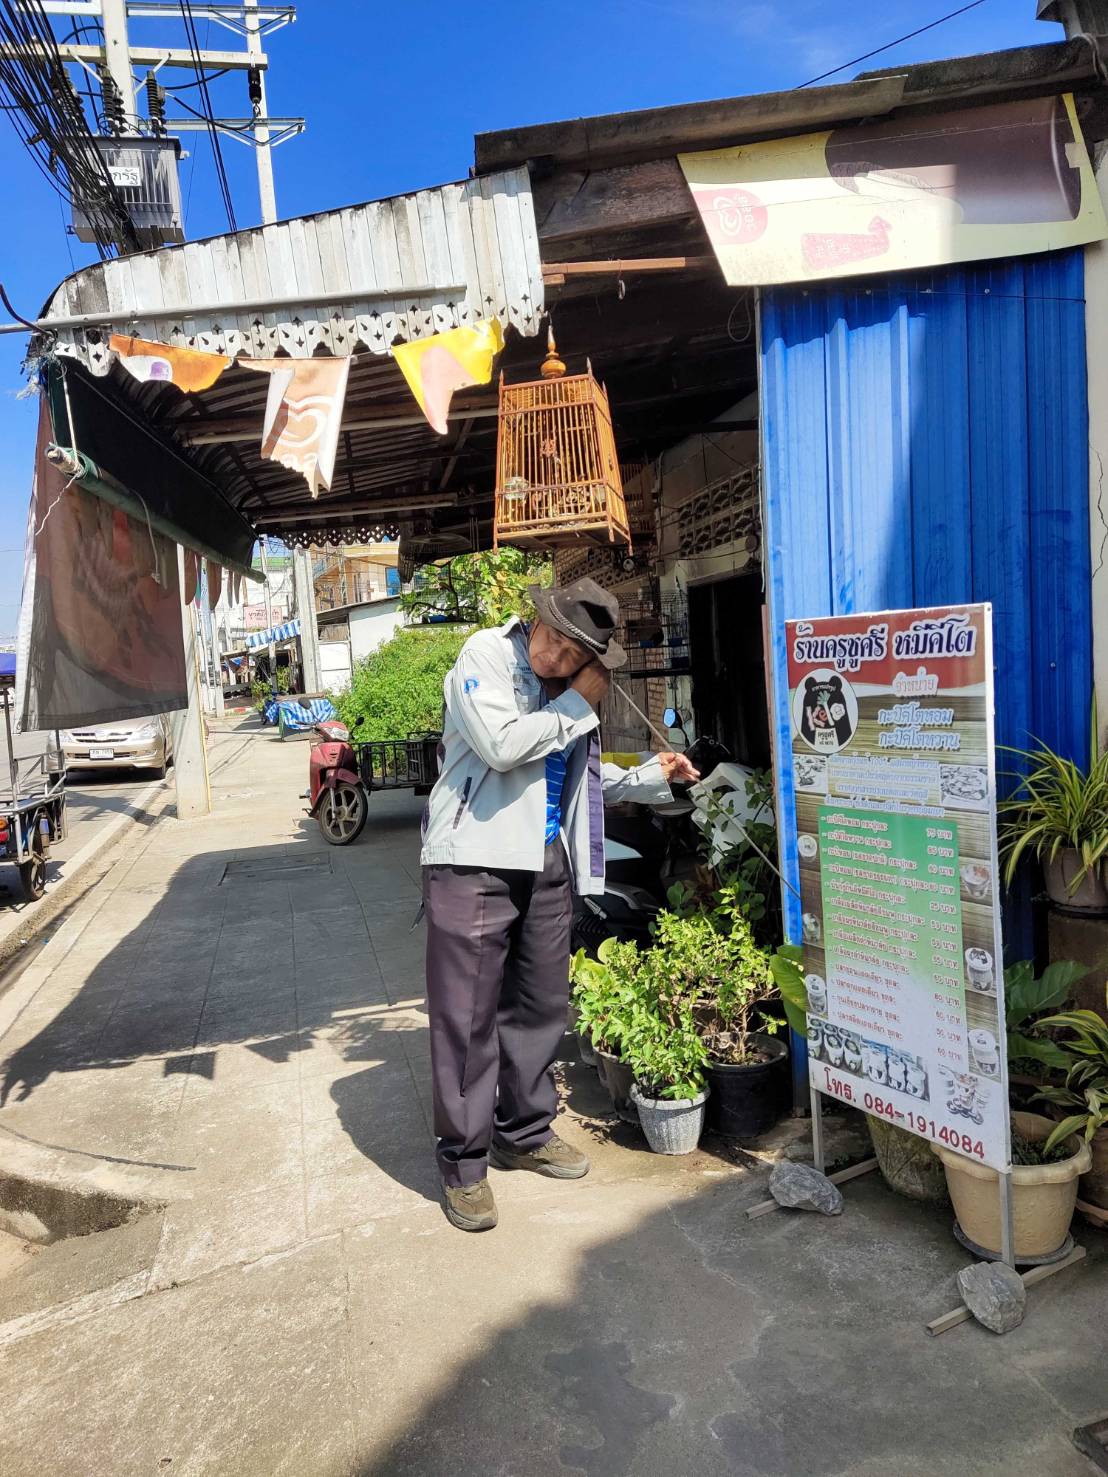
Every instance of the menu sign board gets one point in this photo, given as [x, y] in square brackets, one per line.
[895, 787]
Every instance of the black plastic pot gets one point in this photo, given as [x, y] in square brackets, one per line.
[618, 1078]
[746, 1101]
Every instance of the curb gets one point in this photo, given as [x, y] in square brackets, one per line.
[29, 924]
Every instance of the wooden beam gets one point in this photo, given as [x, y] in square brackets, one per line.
[555, 273]
[1030, 1278]
[580, 203]
[766, 1207]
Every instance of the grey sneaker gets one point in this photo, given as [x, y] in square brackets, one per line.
[470, 1207]
[556, 1158]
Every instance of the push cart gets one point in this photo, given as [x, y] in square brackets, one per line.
[32, 804]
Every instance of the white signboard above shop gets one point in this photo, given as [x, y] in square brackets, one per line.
[979, 184]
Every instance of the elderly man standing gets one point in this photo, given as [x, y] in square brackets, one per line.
[514, 826]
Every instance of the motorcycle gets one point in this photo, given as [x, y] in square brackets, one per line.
[649, 848]
[336, 795]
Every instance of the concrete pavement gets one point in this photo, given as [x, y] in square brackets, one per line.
[222, 1054]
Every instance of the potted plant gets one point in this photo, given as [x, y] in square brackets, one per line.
[643, 1028]
[667, 1057]
[712, 956]
[1084, 1094]
[1059, 815]
[1044, 1189]
[603, 991]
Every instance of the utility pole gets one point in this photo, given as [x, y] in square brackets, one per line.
[302, 582]
[117, 56]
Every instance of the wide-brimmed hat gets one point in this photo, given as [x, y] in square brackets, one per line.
[585, 613]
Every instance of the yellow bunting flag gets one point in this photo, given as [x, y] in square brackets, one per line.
[188, 369]
[437, 366]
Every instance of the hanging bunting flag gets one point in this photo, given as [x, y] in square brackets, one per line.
[188, 369]
[437, 366]
[215, 584]
[303, 413]
[192, 577]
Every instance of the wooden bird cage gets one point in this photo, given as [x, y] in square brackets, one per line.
[557, 472]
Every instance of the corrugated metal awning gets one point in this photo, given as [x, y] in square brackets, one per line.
[277, 634]
[340, 282]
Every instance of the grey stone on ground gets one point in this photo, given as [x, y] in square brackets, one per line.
[801, 1187]
[995, 1294]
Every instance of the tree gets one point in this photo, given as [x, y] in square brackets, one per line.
[397, 689]
[481, 589]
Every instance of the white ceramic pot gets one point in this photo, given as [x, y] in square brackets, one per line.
[1090, 897]
[1043, 1195]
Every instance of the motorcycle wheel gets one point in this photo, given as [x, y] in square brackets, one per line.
[342, 814]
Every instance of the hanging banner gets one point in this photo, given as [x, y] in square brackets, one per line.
[893, 762]
[303, 414]
[100, 621]
[1003, 180]
[437, 366]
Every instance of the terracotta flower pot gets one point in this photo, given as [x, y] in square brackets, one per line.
[1090, 897]
[1043, 1195]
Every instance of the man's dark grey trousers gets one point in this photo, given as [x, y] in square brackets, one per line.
[498, 947]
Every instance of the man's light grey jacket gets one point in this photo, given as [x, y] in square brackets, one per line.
[488, 807]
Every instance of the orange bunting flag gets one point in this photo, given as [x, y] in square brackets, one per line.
[303, 414]
[188, 369]
[437, 366]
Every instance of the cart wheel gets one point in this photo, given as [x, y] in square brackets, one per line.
[342, 814]
[32, 874]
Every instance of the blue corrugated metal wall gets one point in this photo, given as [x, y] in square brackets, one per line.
[925, 442]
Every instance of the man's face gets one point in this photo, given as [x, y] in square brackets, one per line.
[555, 655]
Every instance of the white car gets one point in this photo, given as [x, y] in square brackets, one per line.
[131, 743]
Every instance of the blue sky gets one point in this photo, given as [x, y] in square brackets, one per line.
[393, 96]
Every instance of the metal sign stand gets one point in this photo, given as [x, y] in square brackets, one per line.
[961, 1314]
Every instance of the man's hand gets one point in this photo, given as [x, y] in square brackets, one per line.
[677, 767]
[592, 682]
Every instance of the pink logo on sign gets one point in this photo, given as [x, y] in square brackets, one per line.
[838, 248]
[732, 217]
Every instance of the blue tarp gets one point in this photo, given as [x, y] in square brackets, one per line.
[297, 717]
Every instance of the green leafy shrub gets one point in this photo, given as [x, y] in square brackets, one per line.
[397, 689]
[695, 996]
[1027, 998]
[1085, 1091]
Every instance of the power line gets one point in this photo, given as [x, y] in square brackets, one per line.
[207, 113]
[889, 45]
[47, 114]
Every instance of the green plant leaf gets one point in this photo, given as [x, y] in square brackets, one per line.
[1077, 1123]
[1022, 1047]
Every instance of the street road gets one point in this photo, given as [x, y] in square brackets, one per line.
[93, 800]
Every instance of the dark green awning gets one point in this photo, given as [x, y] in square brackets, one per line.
[117, 457]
